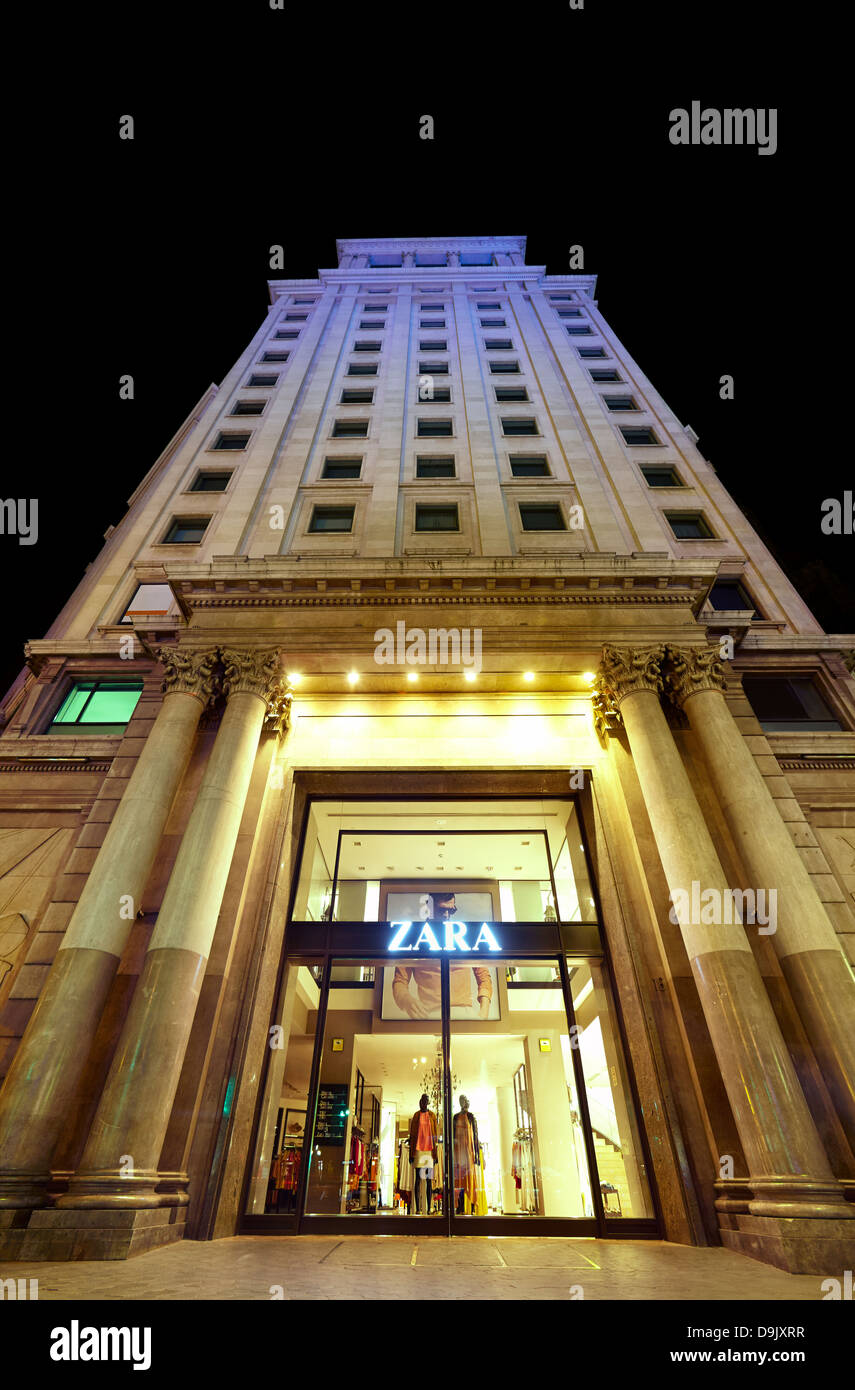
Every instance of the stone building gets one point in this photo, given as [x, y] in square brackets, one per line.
[433, 724]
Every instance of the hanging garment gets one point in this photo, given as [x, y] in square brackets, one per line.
[357, 1161]
[465, 1137]
[480, 1207]
[405, 1168]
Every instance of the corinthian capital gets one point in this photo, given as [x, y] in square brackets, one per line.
[251, 670]
[624, 670]
[187, 670]
[691, 669]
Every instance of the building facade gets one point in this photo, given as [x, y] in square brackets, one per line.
[433, 805]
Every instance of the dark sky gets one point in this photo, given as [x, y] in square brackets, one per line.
[254, 129]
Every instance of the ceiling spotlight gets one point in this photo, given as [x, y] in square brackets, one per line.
[352, 677]
[294, 677]
[469, 676]
[528, 675]
[412, 676]
[589, 676]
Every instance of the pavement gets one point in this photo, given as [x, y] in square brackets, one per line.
[393, 1267]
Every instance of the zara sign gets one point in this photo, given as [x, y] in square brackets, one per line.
[453, 936]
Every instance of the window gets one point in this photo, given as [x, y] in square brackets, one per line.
[362, 369]
[493, 323]
[569, 313]
[637, 434]
[510, 393]
[689, 526]
[367, 345]
[303, 301]
[262, 379]
[788, 702]
[151, 601]
[433, 368]
[274, 357]
[728, 595]
[432, 308]
[210, 482]
[620, 402]
[331, 519]
[226, 441]
[588, 354]
[440, 393]
[541, 516]
[248, 408]
[529, 466]
[341, 470]
[476, 258]
[488, 306]
[361, 397]
[105, 704]
[380, 262]
[375, 308]
[186, 530]
[435, 468]
[433, 345]
[436, 518]
[296, 318]
[662, 477]
[561, 298]
[497, 344]
[503, 368]
[431, 323]
[604, 374]
[288, 333]
[350, 429]
[579, 330]
[512, 426]
[372, 323]
[427, 429]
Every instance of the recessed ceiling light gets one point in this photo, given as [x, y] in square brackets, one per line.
[352, 677]
[525, 842]
[517, 868]
[469, 676]
[294, 677]
[589, 676]
[412, 676]
[528, 675]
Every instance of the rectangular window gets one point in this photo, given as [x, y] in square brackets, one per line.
[262, 379]
[620, 402]
[151, 601]
[433, 345]
[362, 369]
[561, 298]
[637, 434]
[303, 301]
[366, 345]
[350, 429]
[589, 354]
[382, 262]
[274, 357]
[476, 258]
[541, 516]
[342, 470]
[579, 330]
[662, 477]
[488, 306]
[287, 333]
[431, 323]
[358, 397]
[497, 344]
[689, 526]
[372, 323]
[435, 468]
[569, 313]
[604, 374]
[331, 519]
[432, 308]
[210, 482]
[788, 702]
[493, 323]
[186, 530]
[296, 318]
[529, 466]
[433, 369]
[434, 429]
[510, 393]
[440, 393]
[107, 704]
[504, 368]
[728, 595]
[248, 408]
[512, 426]
[225, 441]
[375, 308]
[436, 518]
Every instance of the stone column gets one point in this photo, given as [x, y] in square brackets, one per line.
[804, 939]
[46, 1070]
[789, 1173]
[132, 1116]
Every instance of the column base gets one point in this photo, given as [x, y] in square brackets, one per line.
[24, 1191]
[107, 1234]
[112, 1189]
[797, 1245]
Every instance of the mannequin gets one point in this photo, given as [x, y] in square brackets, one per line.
[423, 1154]
[467, 1152]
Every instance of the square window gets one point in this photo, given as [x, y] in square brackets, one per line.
[262, 379]
[604, 374]
[331, 519]
[186, 530]
[437, 518]
[589, 354]
[433, 369]
[226, 441]
[434, 429]
[433, 345]
[662, 477]
[372, 323]
[150, 601]
[287, 333]
[274, 356]
[513, 426]
[342, 470]
[579, 330]
[788, 702]
[541, 516]
[529, 466]
[493, 323]
[105, 703]
[364, 396]
[728, 595]
[689, 526]
[248, 408]
[620, 402]
[510, 393]
[435, 468]
[361, 369]
[350, 429]
[637, 434]
[210, 482]
[476, 258]
[366, 345]
[497, 344]
[504, 368]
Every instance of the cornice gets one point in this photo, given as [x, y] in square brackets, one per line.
[817, 764]
[357, 246]
[49, 765]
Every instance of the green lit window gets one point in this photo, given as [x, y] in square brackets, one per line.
[97, 706]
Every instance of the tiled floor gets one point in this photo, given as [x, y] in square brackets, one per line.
[406, 1267]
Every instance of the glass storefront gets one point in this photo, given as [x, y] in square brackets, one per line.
[446, 1046]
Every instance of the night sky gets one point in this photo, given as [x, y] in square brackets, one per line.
[549, 123]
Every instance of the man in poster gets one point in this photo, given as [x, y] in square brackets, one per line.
[426, 1002]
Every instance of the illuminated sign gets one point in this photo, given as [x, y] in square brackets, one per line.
[453, 937]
